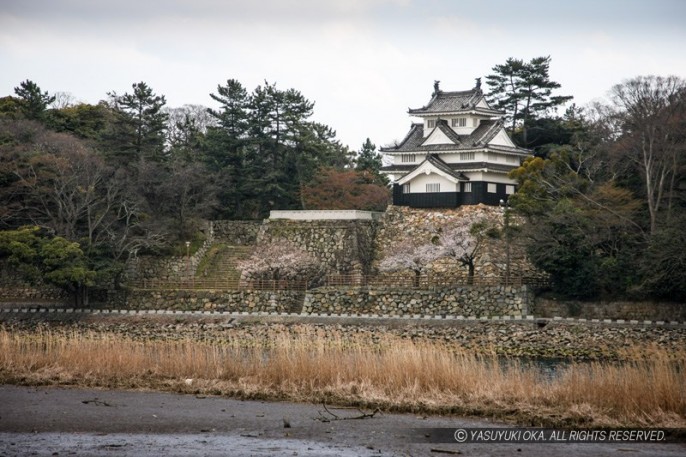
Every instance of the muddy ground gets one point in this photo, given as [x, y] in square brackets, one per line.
[47, 421]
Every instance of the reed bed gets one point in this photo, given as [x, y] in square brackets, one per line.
[375, 371]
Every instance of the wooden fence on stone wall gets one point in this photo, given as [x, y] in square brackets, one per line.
[400, 281]
[219, 284]
[428, 281]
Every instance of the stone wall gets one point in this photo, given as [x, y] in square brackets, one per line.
[14, 289]
[547, 307]
[400, 222]
[465, 301]
[235, 233]
[173, 268]
[458, 301]
[508, 338]
[20, 292]
[210, 300]
[321, 215]
[344, 246]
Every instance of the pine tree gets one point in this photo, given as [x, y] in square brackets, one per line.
[265, 148]
[33, 101]
[140, 127]
[524, 91]
[370, 161]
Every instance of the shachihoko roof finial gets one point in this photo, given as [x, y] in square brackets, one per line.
[436, 89]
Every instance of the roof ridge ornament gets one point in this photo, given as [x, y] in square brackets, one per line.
[437, 90]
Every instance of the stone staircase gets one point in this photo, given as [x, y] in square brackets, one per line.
[220, 263]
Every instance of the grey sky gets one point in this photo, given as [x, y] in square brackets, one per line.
[363, 62]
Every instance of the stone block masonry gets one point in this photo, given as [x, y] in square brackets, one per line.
[553, 339]
[252, 301]
[344, 246]
[547, 307]
[235, 233]
[21, 292]
[476, 301]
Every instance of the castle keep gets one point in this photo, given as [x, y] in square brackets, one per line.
[459, 154]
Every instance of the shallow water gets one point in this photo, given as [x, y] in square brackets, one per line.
[153, 445]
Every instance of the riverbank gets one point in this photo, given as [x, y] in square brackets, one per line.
[422, 369]
[537, 338]
[56, 421]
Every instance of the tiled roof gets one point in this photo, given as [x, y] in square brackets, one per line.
[449, 102]
[414, 138]
[442, 125]
[434, 160]
[484, 133]
[455, 167]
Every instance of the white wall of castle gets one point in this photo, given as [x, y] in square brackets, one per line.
[418, 184]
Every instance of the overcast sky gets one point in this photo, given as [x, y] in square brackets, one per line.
[363, 62]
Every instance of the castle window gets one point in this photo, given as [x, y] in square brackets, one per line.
[509, 190]
[475, 122]
[406, 188]
[408, 158]
[433, 187]
[492, 157]
[459, 122]
[492, 188]
[431, 123]
[511, 159]
[467, 155]
[467, 187]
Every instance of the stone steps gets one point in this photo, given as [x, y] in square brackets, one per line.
[223, 265]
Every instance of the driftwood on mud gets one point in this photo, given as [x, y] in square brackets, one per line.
[330, 416]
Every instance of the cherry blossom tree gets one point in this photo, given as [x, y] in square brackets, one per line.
[461, 240]
[281, 260]
[408, 255]
[464, 243]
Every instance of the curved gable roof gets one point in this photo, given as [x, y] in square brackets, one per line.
[455, 102]
[433, 164]
[447, 133]
[487, 130]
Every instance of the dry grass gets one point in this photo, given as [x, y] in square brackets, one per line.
[389, 372]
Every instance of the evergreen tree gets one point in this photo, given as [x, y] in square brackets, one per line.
[225, 148]
[33, 101]
[82, 120]
[37, 256]
[524, 91]
[369, 160]
[232, 124]
[185, 139]
[139, 130]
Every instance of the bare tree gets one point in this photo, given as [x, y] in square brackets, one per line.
[187, 119]
[62, 182]
[65, 186]
[63, 100]
[652, 112]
